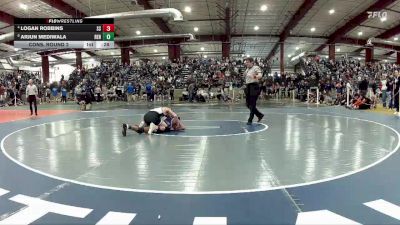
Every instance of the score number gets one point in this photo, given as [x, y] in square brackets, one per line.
[108, 36]
[108, 27]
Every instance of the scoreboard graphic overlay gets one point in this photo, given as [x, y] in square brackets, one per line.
[41, 33]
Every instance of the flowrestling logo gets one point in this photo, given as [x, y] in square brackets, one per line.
[377, 14]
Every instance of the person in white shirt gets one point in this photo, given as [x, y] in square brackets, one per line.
[252, 74]
[31, 93]
[97, 92]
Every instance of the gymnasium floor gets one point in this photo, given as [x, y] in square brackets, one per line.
[301, 165]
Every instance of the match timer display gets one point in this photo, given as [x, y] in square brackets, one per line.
[64, 33]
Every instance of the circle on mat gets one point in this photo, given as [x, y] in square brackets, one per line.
[297, 149]
[216, 128]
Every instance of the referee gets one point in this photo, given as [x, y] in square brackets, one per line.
[31, 93]
[253, 75]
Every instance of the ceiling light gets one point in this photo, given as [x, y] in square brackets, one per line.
[312, 29]
[360, 33]
[23, 6]
[91, 60]
[289, 56]
[112, 53]
[256, 27]
[385, 60]
[138, 32]
[332, 11]
[205, 56]
[395, 38]
[327, 57]
[297, 48]
[188, 9]
[196, 29]
[202, 48]
[155, 50]
[359, 58]
[247, 55]
[338, 50]
[163, 57]
[264, 8]
[242, 55]
[383, 19]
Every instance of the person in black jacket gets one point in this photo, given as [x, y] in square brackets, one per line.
[389, 91]
[363, 86]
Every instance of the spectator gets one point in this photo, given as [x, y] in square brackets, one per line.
[97, 92]
[384, 91]
[63, 95]
[54, 92]
[2, 94]
[172, 92]
[363, 86]
[130, 90]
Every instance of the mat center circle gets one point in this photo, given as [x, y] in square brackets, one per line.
[214, 154]
[215, 128]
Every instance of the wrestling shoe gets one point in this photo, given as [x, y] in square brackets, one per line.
[260, 118]
[141, 124]
[152, 128]
[124, 127]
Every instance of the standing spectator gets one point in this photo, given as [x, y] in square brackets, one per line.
[384, 90]
[18, 86]
[77, 92]
[171, 92]
[63, 95]
[130, 90]
[149, 92]
[97, 92]
[396, 93]
[31, 94]
[139, 91]
[390, 86]
[363, 87]
[55, 93]
[104, 90]
[2, 94]
[191, 90]
[48, 94]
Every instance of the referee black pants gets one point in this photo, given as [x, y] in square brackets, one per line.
[32, 99]
[252, 92]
